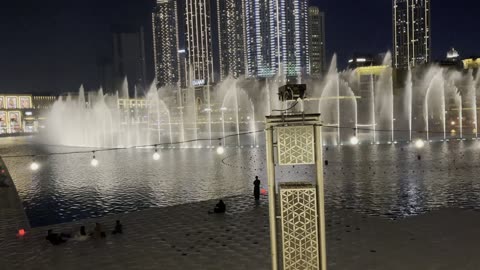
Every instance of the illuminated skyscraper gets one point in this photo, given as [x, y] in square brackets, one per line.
[261, 38]
[294, 54]
[165, 41]
[316, 41]
[277, 37]
[411, 33]
[199, 42]
[231, 27]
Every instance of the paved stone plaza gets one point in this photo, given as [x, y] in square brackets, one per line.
[186, 237]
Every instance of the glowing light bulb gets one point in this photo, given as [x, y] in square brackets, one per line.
[156, 156]
[419, 143]
[34, 166]
[21, 232]
[94, 162]
[220, 150]
[354, 140]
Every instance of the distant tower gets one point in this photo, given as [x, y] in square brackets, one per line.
[453, 55]
[411, 33]
[231, 37]
[277, 37]
[316, 51]
[261, 38]
[293, 36]
[129, 57]
[199, 42]
[165, 43]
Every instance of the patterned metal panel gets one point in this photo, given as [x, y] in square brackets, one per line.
[295, 145]
[298, 206]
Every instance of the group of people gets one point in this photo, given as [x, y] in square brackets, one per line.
[97, 233]
[220, 207]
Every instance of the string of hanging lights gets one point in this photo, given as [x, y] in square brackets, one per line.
[220, 149]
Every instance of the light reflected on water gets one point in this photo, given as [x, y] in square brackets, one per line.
[385, 180]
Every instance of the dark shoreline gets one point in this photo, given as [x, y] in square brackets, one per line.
[6, 135]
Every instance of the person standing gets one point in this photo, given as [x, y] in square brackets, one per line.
[118, 228]
[256, 188]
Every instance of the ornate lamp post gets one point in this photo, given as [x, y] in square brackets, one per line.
[296, 139]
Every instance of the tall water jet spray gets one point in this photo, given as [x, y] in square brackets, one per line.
[351, 94]
[253, 127]
[384, 99]
[460, 113]
[268, 97]
[180, 111]
[372, 97]
[153, 97]
[236, 102]
[435, 101]
[339, 139]
[209, 113]
[329, 104]
[236, 115]
[94, 119]
[408, 102]
[392, 112]
[472, 96]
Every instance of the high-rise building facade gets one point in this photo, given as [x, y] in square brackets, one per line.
[411, 33]
[199, 42]
[129, 57]
[231, 37]
[277, 37]
[316, 22]
[165, 43]
[294, 55]
[261, 39]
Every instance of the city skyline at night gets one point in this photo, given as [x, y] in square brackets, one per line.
[77, 37]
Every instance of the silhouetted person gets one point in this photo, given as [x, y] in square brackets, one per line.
[81, 235]
[256, 188]
[54, 238]
[118, 228]
[3, 178]
[220, 207]
[3, 182]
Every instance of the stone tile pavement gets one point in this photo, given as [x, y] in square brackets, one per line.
[12, 215]
[186, 237]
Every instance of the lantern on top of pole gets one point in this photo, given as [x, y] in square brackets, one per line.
[295, 138]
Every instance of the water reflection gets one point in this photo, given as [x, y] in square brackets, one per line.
[384, 180]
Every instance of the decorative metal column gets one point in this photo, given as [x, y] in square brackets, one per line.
[296, 139]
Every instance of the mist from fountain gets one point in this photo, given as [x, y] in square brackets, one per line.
[472, 96]
[329, 104]
[345, 100]
[383, 102]
[237, 100]
[408, 102]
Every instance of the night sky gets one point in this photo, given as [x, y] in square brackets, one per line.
[52, 46]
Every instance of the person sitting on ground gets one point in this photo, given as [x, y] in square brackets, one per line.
[97, 232]
[55, 238]
[219, 208]
[118, 228]
[81, 235]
